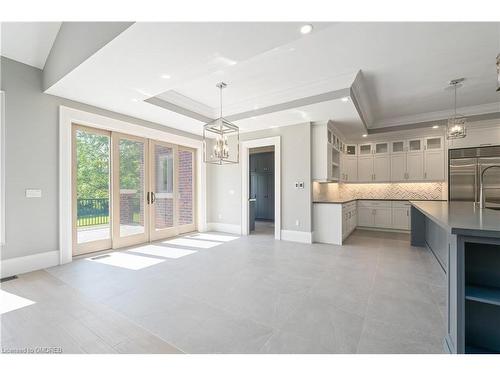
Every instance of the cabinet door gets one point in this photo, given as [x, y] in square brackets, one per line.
[398, 167]
[344, 222]
[365, 217]
[415, 145]
[401, 218]
[381, 168]
[351, 168]
[365, 149]
[365, 168]
[434, 165]
[383, 218]
[398, 147]
[415, 166]
[434, 143]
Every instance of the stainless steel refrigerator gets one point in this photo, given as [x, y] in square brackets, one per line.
[466, 166]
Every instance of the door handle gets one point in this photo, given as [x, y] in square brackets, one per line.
[153, 197]
[147, 197]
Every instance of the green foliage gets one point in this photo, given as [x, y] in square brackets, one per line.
[92, 154]
[93, 158]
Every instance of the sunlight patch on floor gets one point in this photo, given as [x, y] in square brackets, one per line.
[129, 261]
[213, 237]
[10, 302]
[162, 251]
[192, 243]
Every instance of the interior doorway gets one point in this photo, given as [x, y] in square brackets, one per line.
[129, 190]
[261, 190]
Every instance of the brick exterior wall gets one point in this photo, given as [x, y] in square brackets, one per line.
[185, 187]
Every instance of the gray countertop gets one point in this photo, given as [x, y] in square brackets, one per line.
[341, 201]
[460, 217]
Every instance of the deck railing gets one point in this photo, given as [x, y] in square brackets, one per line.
[92, 211]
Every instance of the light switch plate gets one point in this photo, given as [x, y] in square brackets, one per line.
[33, 193]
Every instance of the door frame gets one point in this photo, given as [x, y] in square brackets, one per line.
[245, 189]
[69, 116]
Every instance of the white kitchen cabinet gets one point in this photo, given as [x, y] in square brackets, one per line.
[349, 168]
[434, 143]
[434, 169]
[325, 154]
[415, 145]
[365, 168]
[365, 149]
[398, 167]
[365, 217]
[383, 217]
[381, 168]
[401, 215]
[415, 166]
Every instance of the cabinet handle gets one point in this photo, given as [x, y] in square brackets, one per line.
[407, 214]
[425, 174]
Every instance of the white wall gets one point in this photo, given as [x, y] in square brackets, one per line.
[224, 182]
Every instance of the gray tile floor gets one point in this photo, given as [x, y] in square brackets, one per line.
[376, 294]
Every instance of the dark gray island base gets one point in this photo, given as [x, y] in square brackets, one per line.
[466, 243]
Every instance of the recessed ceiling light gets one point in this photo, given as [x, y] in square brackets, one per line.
[306, 29]
[435, 127]
[345, 99]
[166, 76]
[365, 135]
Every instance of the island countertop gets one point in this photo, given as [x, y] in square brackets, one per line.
[461, 217]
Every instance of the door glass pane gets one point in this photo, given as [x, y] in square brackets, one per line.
[163, 187]
[365, 149]
[381, 148]
[398, 146]
[185, 187]
[92, 186]
[131, 187]
[415, 145]
[433, 143]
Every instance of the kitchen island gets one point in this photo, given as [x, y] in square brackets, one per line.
[466, 243]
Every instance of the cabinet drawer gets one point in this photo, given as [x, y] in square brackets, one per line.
[375, 204]
[400, 204]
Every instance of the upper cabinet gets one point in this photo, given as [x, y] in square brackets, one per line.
[433, 143]
[325, 150]
[409, 160]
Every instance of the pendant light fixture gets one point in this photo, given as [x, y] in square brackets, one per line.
[221, 139]
[456, 123]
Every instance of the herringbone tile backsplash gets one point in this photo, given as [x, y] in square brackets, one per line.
[414, 190]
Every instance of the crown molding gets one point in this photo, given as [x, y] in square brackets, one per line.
[436, 116]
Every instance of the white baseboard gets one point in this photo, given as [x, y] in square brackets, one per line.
[393, 230]
[226, 228]
[19, 265]
[296, 236]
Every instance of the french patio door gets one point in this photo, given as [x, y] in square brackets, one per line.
[129, 190]
[172, 198]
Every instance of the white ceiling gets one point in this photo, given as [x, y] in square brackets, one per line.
[406, 67]
[28, 42]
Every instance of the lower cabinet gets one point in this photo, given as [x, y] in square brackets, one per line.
[401, 215]
[384, 214]
[349, 218]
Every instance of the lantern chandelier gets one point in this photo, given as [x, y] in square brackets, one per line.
[221, 139]
[456, 123]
